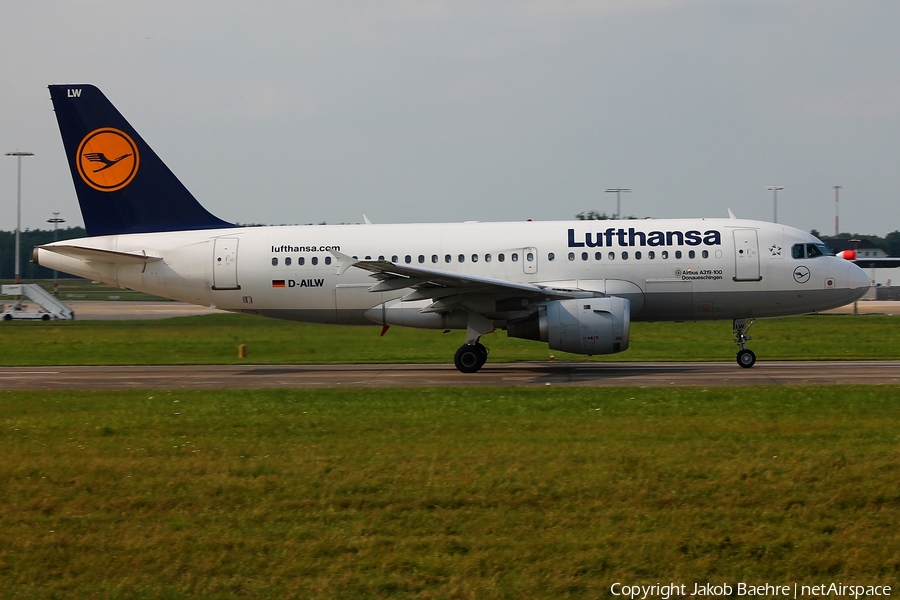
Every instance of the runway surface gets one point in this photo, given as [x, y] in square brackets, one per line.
[380, 376]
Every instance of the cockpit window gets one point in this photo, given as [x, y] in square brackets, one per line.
[810, 250]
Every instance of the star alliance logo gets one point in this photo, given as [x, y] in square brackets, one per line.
[775, 250]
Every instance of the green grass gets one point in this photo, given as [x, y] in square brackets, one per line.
[214, 339]
[470, 493]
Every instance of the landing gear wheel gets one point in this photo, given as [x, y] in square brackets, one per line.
[470, 358]
[746, 358]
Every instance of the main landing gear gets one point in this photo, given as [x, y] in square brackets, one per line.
[470, 357]
[745, 357]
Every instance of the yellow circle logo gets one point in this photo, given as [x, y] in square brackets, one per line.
[107, 159]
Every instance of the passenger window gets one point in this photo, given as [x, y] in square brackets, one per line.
[287, 261]
[447, 258]
[315, 260]
[584, 256]
[637, 255]
[624, 256]
[571, 256]
[474, 258]
[651, 255]
[705, 254]
[368, 258]
[394, 258]
[664, 254]
[407, 259]
[612, 256]
[461, 258]
[421, 259]
[691, 254]
[487, 258]
[515, 257]
[529, 257]
[327, 260]
[812, 251]
[434, 259]
[551, 256]
[501, 257]
[300, 261]
[275, 262]
[598, 255]
[678, 254]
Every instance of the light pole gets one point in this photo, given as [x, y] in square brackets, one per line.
[618, 192]
[19, 156]
[837, 197]
[774, 189]
[56, 221]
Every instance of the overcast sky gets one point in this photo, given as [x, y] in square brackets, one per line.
[303, 112]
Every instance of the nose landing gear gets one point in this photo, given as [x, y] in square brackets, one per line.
[745, 357]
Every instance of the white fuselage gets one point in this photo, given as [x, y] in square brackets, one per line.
[684, 269]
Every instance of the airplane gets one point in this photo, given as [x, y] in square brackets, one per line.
[575, 285]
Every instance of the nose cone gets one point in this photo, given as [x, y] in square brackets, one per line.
[857, 281]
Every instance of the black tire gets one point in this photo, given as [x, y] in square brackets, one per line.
[746, 358]
[469, 358]
[7, 317]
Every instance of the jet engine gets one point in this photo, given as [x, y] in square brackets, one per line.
[581, 326]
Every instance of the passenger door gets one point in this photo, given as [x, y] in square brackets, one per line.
[746, 255]
[225, 264]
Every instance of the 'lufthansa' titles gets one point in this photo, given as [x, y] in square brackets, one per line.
[630, 237]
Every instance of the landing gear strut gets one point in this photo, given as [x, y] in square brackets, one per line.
[745, 357]
[470, 357]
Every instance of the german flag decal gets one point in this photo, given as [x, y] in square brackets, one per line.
[278, 283]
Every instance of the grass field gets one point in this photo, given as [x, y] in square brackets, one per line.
[470, 493]
[213, 339]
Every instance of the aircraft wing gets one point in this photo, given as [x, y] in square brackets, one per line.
[101, 256]
[449, 289]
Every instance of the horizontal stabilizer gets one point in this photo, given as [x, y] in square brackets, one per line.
[102, 256]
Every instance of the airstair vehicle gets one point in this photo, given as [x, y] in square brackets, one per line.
[43, 306]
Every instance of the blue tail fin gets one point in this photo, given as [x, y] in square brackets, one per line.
[122, 186]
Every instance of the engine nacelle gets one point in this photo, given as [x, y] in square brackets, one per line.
[581, 326]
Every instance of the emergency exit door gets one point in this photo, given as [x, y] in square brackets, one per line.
[746, 255]
[225, 264]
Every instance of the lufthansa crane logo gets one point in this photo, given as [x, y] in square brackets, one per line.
[107, 159]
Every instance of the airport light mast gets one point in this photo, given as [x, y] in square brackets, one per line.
[774, 189]
[18, 156]
[56, 221]
[837, 197]
[618, 192]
